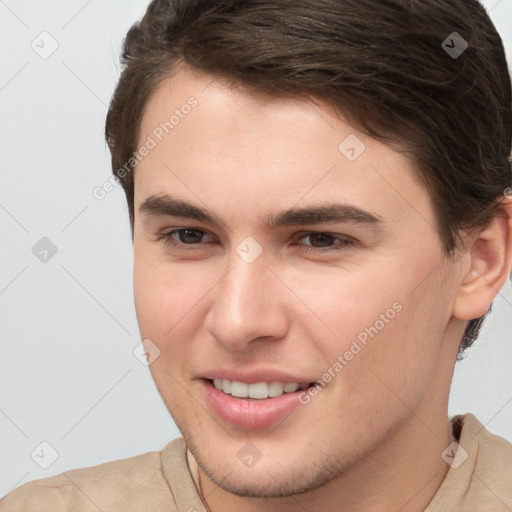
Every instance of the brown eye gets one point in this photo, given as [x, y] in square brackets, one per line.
[188, 236]
[184, 238]
[321, 239]
[323, 242]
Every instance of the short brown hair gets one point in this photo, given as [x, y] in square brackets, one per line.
[382, 64]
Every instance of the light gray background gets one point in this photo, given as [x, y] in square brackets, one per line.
[68, 375]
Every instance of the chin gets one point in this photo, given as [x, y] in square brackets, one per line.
[270, 478]
[267, 483]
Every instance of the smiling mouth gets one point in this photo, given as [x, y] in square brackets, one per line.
[257, 391]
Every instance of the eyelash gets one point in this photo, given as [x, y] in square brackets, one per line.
[167, 239]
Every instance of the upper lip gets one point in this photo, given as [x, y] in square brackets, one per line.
[254, 376]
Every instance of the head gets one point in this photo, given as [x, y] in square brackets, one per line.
[235, 120]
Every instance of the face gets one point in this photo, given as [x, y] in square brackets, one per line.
[276, 244]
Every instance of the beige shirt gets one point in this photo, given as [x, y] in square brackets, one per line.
[162, 481]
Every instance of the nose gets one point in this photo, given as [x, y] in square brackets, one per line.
[248, 304]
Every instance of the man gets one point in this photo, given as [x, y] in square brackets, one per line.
[320, 201]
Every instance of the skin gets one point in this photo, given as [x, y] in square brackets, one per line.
[372, 438]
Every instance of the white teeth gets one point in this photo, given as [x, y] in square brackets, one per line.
[275, 389]
[226, 385]
[259, 390]
[290, 387]
[239, 389]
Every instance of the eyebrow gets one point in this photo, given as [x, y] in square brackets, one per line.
[330, 212]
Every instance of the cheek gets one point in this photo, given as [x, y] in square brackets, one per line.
[396, 364]
[350, 302]
[168, 306]
[387, 330]
[168, 296]
[331, 306]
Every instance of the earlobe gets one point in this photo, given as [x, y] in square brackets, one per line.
[488, 268]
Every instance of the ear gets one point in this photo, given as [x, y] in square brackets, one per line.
[488, 264]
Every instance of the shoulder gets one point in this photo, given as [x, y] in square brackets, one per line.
[493, 458]
[491, 451]
[491, 483]
[480, 474]
[136, 483]
[33, 496]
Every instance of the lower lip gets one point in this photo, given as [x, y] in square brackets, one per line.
[250, 414]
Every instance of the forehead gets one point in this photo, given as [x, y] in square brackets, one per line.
[221, 146]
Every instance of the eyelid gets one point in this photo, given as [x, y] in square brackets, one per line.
[166, 236]
[344, 241]
[340, 236]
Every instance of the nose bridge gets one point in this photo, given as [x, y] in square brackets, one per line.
[247, 304]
